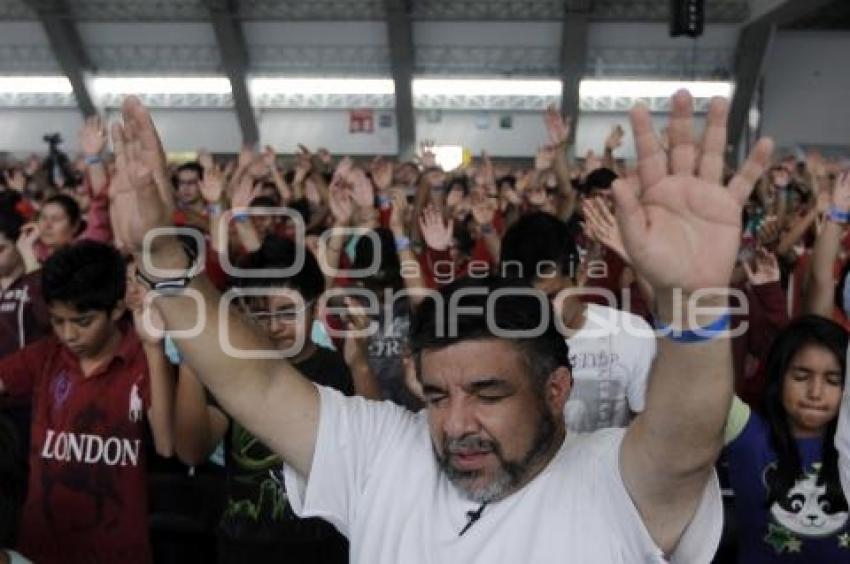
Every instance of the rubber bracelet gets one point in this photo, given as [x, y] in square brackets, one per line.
[214, 209]
[487, 228]
[402, 244]
[93, 160]
[241, 217]
[384, 201]
[839, 216]
[700, 335]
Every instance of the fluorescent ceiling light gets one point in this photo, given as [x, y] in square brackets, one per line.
[653, 88]
[311, 86]
[148, 85]
[35, 85]
[485, 87]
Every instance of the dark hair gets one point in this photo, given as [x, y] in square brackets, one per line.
[389, 265]
[87, 275]
[263, 202]
[69, 205]
[519, 309]
[12, 482]
[540, 237]
[276, 252]
[192, 166]
[804, 331]
[10, 225]
[600, 179]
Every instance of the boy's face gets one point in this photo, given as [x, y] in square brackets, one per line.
[85, 333]
[286, 318]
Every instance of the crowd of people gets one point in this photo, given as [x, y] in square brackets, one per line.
[326, 359]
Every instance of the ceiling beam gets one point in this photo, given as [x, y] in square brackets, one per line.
[751, 53]
[67, 47]
[573, 59]
[234, 59]
[400, 37]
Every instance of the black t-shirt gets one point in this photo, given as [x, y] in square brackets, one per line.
[257, 511]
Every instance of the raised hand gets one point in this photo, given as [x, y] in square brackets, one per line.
[382, 173]
[680, 226]
[398, 216]
[614, 139]
[205, 159]
[436, 232]
[841, 192]
[269, 157]
[93, 136]
[557, 127]
[600, 225]
[362, 191]
[769, 231]
[544, 158]
[591, 162]
[152, 332]
[484, 175]
[763, 269]
[212, 185]
[15, 179]
[342, 208]
[141, 197]
[429, 159]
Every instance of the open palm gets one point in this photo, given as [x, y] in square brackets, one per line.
[680, 226]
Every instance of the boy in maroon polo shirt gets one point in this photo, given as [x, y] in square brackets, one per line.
[93, 384]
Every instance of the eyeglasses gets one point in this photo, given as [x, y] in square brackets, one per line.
[266, 318]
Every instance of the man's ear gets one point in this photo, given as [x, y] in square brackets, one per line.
[558, 389]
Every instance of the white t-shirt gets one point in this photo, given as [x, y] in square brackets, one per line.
[611, 358]
[375, 477]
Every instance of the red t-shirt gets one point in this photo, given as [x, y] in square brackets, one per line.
[23, 314]
[87, 494]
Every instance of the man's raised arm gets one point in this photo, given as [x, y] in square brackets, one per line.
[270, 398]
[682, 229]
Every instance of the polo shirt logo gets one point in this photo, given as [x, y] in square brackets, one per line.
[135, 412]
[90, 449]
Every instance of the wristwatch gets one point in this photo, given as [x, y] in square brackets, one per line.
[173, 285]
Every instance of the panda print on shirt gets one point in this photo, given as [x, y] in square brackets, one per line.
[805, 513]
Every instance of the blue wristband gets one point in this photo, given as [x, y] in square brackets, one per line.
[384, 201]
[241, 217]
[700, 335]
[93, 160]
[402, 244]
[214, 209]
[839, 216]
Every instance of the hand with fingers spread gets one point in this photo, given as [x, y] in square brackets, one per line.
[93, 137]
[435, 230]
[680, 226]
[362, 190]
[763, 269]
[557, 127]
[15, 179]
[600, 225]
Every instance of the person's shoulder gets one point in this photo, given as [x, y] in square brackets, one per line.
[591, 448]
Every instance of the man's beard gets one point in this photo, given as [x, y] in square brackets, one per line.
[509, 474]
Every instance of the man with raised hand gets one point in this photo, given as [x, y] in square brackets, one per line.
[485, 473]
